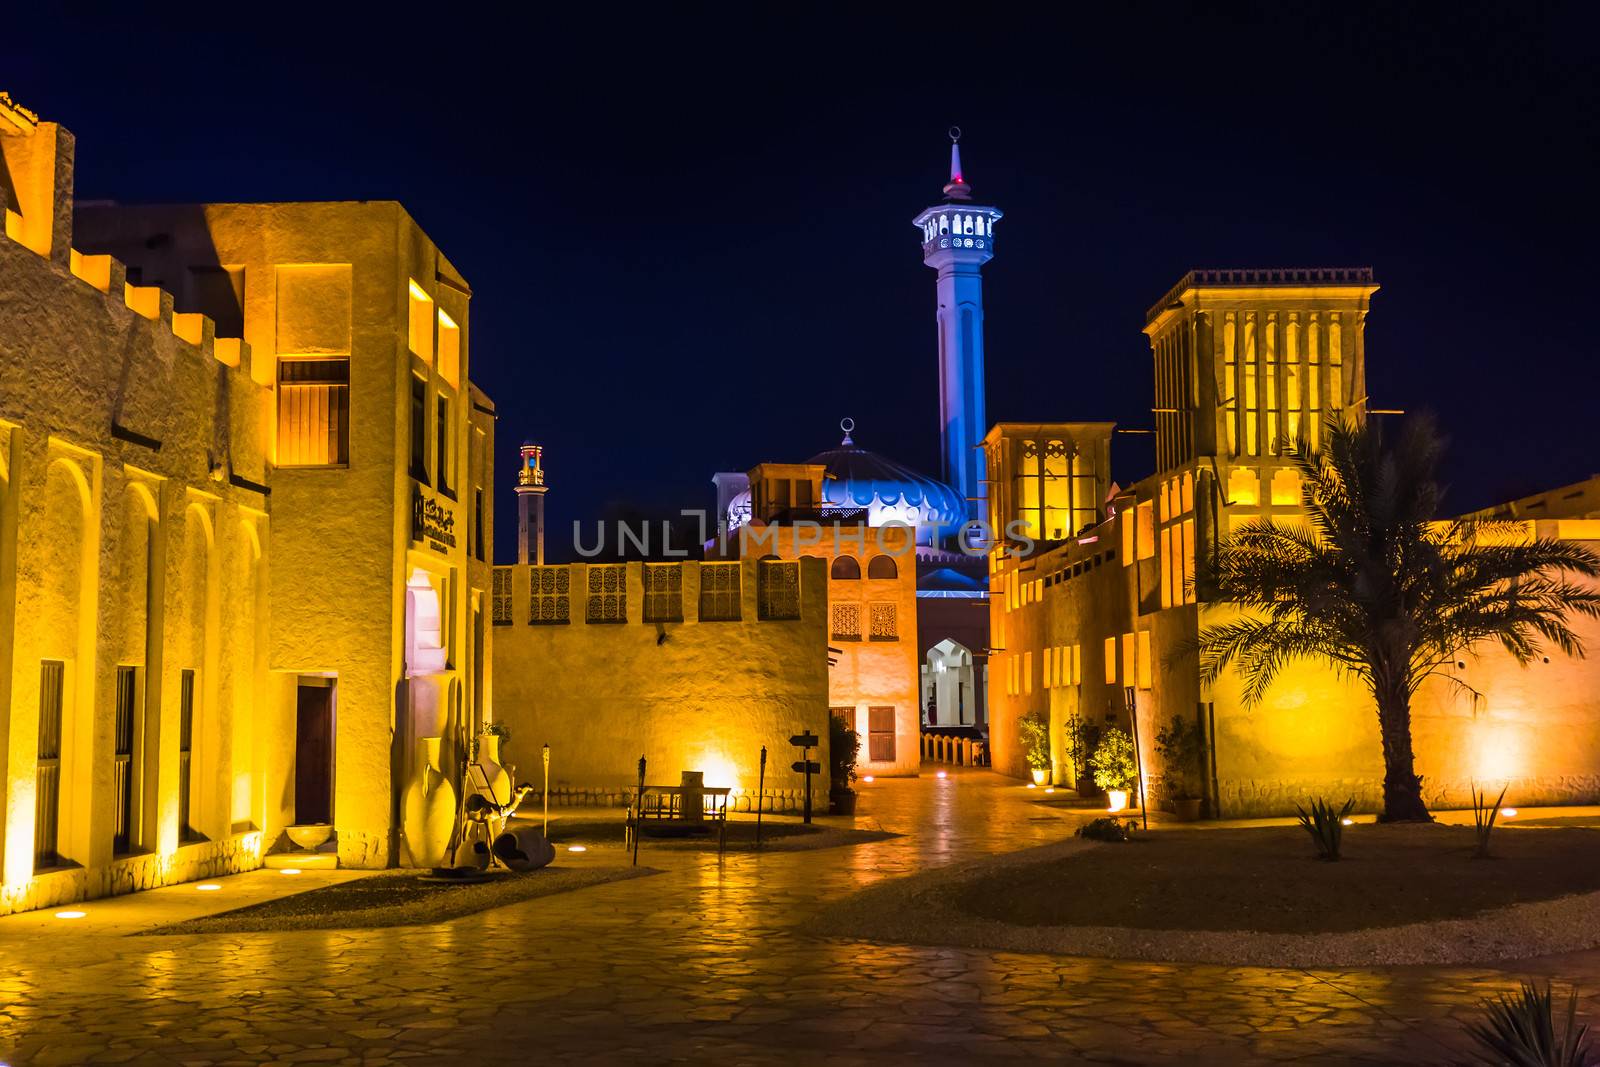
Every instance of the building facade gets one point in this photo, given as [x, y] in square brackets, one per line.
[1247, 364]
[244, 523]
[692, 666]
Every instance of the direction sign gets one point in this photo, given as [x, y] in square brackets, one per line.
[806, 766]
[804, 740]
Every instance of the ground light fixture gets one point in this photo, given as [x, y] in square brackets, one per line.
[71, 914]
[207, 887]
[868, 778]
[1348, 822]
[942, 774]
[290, 870]
[577, 848]
[1509, 813]
[1032, 786]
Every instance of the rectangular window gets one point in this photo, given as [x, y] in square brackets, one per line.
[1252, 444]
[449, 350]
[419, 429]
[778, 589]
[1027, 673]
[1314, 384]
[419, 335]
[885, 620]
[880, 735]
[186, 831]
[846, 622]
[1270, 344]
[313, 412]
[441, 444]
[719, 592]
[1077, 664]
[608, 593]
[1111, 661]
[500, 604]
[1335, 367]
[1168, 572]
[845, 714]
[47, 794]
[1189, 591]
[663, 592]
[1130, 659]
[550, 596]
[122, 760]
[1143, 660]
[1291, 382]
[1230, 378]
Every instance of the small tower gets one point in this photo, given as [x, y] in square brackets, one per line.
[530, 505]
[957, 240]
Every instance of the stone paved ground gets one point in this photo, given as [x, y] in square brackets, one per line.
[701, 963]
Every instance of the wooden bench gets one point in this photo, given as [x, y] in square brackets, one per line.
[661, 806]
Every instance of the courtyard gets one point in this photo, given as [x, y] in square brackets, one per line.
[706, 961]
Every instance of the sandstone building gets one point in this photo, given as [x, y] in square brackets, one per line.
[244, 525]
[1246, 363]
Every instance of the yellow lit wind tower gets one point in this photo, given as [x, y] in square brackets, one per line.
[530, 505]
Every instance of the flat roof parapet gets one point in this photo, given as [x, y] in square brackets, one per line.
[1260, 276]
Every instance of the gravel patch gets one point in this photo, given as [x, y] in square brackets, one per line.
[401, 898]
[922, 910]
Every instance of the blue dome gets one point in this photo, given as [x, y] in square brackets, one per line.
[888, 490]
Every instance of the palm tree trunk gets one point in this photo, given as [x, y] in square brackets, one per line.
[1402, 788]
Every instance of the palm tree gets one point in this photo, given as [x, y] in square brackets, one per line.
[1383, 591]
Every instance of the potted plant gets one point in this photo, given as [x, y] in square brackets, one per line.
[1033, 730]
[844, 745]
[1178, 744]
[1114, 767]
[1081, 739]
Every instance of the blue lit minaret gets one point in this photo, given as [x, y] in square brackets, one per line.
[957, 240]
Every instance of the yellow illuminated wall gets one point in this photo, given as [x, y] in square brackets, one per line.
[589, 675]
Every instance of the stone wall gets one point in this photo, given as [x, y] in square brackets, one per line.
[687, 695]
[207, 859]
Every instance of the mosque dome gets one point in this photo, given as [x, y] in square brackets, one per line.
[857, 480]
[889, 491]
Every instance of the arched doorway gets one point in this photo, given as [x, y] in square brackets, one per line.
[949, 691]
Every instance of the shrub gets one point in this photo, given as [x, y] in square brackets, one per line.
[1325, 826]
[844, 747]
[1178, 744]
[1521, 1030]
[1107, 829]
[1113, 762]
[1082, 738]
[1033, 730]
[1483, 818]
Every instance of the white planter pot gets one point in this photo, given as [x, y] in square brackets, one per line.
[1040, 776]
[1118, 799]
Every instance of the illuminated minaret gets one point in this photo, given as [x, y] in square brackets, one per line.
[530, 505]
[957, 240]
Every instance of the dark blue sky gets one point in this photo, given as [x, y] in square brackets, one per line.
[689, 234]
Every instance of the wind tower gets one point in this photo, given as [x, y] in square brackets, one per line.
[530, 505]
[957, 240]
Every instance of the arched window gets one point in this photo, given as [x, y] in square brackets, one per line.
[845, 568]
[882, 567]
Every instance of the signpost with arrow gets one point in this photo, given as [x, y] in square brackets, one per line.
[805, 764]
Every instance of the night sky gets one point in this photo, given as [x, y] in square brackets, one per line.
[689, 237]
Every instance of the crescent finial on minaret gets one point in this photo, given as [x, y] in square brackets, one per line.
[958, 189]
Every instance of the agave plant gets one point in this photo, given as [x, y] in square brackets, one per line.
[1483, 816]
[1325, 825]
[1521, 1031]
